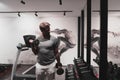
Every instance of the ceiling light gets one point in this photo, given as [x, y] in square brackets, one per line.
[36, 14]
[60, 2]
[19, 14]
[23, 2]
[64, 13]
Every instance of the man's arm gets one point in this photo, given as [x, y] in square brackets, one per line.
[34, 46]
[57, 55]
[35, 49]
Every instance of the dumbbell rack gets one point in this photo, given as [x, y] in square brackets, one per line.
[84, 72]
[70, 72]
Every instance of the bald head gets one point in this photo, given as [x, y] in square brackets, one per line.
[44, 26]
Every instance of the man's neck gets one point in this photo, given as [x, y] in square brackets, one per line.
[46, 36]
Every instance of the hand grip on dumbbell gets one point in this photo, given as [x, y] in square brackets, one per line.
[60, 70]
[34, 42]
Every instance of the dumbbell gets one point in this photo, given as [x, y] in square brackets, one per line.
[35, 42]
[71, 78]
[97, 60]
[27, 39]
[60, 70]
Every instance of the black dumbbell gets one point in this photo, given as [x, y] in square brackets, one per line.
[27, 39]
[60, 70]
[36, 42]
[97, 60]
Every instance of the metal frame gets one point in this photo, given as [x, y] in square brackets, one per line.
[103, 39]
[15, 76]
[79, 37]
[82, 34]
[89, 32]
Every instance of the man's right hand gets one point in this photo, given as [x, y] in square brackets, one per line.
[58, 65]
[34, 43]
[31, 41]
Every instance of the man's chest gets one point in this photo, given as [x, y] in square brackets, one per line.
[46, 44]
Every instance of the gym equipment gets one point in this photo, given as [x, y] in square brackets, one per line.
[113, 71]
[58, 65]
[22, 47]
[97, 60]
[85, 72]
[79, 62]
[4, 67]
[35, 42]
[27, 38]
[70, 72]
[60, 71]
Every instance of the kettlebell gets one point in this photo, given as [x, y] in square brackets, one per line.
[60, 71]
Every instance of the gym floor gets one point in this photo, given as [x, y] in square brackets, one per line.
[22, 68]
